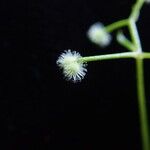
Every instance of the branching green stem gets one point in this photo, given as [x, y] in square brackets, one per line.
[140, 75]
[134, 35]
[122, 40]
[138, 55]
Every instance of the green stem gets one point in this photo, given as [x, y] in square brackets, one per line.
[139, 55]
[109, 56]
[122, 40]
[136, 9]
[117, 25]
[145, 55]
[134, 35]
[140, 74]
[142, 104]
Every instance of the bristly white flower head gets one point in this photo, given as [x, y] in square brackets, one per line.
[98, 35]
[73, 69]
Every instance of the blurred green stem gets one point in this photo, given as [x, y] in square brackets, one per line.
[139, 55]
[140, 75]
[136, 52]
[142, 104]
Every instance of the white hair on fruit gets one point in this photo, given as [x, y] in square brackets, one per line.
[98, 35]
[73, 69]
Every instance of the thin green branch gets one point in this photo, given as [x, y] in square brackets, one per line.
[134, 35]
[109, 56]
[136, 9]
[145, 55]
[116, 25]
[142, 104]
[122, 40]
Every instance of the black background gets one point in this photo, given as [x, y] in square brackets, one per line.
[41, 110]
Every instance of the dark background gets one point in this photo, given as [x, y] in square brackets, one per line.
[39, 109]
